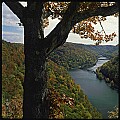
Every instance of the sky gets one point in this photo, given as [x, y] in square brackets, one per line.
[14, 33]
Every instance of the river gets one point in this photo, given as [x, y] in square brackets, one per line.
[99, 93]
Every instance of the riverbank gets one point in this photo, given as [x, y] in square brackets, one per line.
[84, 66]
[99, 93]
[109, 82]
[109, 72]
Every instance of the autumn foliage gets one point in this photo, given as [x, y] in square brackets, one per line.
[84, 28]
[12, 79]
[66, 99]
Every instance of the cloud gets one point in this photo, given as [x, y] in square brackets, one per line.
[110, 25]
[12, 37]
[23, 3]
[52, 25]
[8, 17]
[11, 31]
[75, 38]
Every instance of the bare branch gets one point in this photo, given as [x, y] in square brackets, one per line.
[16, 8]
[102, 26]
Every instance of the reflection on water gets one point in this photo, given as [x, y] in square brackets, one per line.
[100, 61]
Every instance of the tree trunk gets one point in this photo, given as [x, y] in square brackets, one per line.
[35, 81]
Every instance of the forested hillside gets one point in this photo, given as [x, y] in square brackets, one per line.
[67, 100]
[71, 55]
[12, 79]
[110, 72]
[105, 50]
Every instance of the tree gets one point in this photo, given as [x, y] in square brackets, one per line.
[75, 16]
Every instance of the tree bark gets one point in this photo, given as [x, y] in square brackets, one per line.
[35, 81]
[59, 34]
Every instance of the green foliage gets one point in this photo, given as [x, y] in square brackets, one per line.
[68, 98]
[12, 79]
[99, 74]
[110, 71]
[72, 56]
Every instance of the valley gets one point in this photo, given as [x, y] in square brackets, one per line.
[70, 56]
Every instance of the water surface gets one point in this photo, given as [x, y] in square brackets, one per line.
[99, 93]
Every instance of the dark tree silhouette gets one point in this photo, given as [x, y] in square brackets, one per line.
[37, 47]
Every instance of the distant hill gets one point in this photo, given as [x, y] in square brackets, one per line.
[71, 56]
[104, 50]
